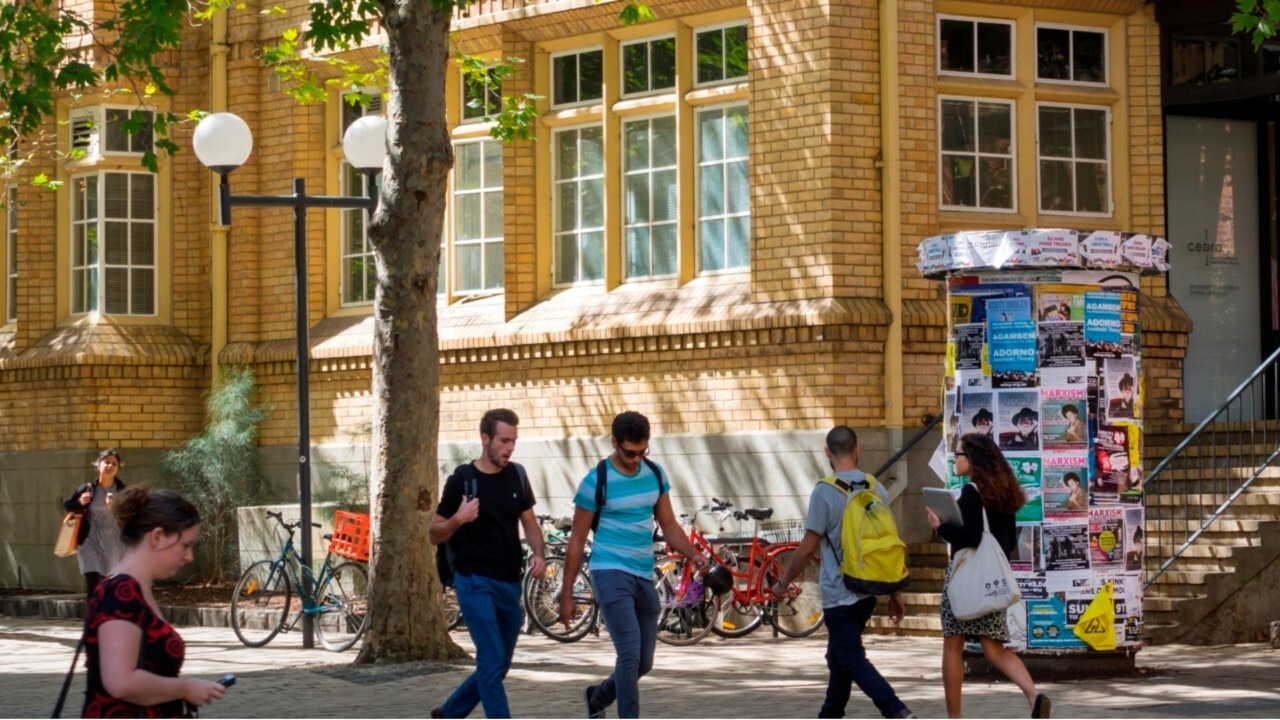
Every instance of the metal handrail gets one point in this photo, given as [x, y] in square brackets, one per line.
[907, 447]
[1209, 475]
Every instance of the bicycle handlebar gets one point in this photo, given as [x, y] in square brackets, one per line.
[279, 517]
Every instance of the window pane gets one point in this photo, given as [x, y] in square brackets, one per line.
[593, 203]
[117, 291]
[492, 163]
[638, 252]
[711, 247]
[493, 215]
[371, 279]
[567, 215]
[961, 181]
[1055, 132]
[710, 56]
[565, 80]
[467, 166]
[995, 183]
[957, 126]
[665, 195]
[635, 202]
[142, 195]
[636, 137]
[995, 128]
[995, 49]
[117, 245]
[91, 197]
[592, 256]
[1053, 54]
[711, 190]
[567, 258]
[566, 155]
[664, 141]
[662, 64]
[635, 68]
[79, 289]
[78, 244]
[353, 289]
[1091, 134]
[738, 190]
[1055, 185]
[469, 258]
[142, 292]
[591, 73]
[493, 264]
[736, 144]
[739, 232]
[468, 216]
[1088, 56]
[142, 244]
[735, 46]
[1091, 187]
[114, 137]
[116, 189]
[592, 141]
[955, 45]
[665, 253]
[354, 227]
[710, 129]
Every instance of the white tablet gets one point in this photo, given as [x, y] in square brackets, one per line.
[943, 502]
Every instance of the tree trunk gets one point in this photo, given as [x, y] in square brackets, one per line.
[407, 621]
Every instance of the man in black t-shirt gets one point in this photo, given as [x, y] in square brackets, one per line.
[480, 509]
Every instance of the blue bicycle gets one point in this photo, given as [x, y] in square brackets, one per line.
[263, 601]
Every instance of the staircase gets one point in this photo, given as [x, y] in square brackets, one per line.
[1223, 587]
[927, 563]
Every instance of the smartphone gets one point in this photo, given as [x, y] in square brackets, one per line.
[227, 680]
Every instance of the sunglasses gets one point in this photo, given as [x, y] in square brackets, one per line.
[633, 454]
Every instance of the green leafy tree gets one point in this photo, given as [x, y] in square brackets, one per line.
[1257, 18]
[218, 469]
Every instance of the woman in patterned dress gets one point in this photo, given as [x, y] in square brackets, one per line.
[99, 539]
[992, 489]
[133, 655]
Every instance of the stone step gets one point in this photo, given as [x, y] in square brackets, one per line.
[911, 626]
[1179, 582]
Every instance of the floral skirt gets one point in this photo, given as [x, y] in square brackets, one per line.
[991, 625]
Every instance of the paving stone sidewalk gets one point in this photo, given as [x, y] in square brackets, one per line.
[753, 677]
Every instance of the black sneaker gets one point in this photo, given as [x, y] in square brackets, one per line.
[592, 710]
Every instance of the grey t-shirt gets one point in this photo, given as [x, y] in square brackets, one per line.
[826, 514]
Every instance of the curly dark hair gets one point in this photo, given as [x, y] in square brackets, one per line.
[631, 427]
[991, 475]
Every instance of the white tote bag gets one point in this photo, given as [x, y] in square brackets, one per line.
[981, 580]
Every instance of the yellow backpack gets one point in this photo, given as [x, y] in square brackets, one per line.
[873, 557]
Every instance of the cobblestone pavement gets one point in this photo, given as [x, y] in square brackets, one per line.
[756, 676]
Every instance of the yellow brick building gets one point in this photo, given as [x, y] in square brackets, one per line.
[716, 226]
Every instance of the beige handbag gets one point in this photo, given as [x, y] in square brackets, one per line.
[68, 535]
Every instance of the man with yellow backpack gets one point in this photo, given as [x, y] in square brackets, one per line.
[850, 523]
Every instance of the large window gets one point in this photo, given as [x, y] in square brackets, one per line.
[972, 46]
[724, 197]
[722, 54]
[577, 77]
[649, 66]
[113, 243]
[976, 147]
[1071, 54]
[579, 204]
[477, 211]
[101, 131]
[650, 195]
[359, 273]
[1074, 163]
[11, 253]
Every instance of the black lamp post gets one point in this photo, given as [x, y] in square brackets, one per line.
[223, 142]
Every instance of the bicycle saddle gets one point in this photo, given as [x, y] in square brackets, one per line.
[759, 513]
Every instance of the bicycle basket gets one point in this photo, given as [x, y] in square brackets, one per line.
[782, 530]
[350, 535]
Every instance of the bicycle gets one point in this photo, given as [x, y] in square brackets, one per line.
[542, 594]
[263, 599]
[750, 602]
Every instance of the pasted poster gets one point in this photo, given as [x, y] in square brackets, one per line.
[1066, 546]
[1011, 350]
[969, 340]
[1061, 345]
[1135, 539]
[1112, 473]
[1028, 554]
[1106, 538]
[1027, 472]
[1019, 420]
[1065, 485]
[976, 412]
[1120, 377]
[1063, 412]
[1049, 627]
[1060, 303]
[1102, 324]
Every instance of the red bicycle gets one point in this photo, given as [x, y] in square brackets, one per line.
[690, 611]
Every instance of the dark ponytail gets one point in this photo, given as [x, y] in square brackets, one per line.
[139, 510]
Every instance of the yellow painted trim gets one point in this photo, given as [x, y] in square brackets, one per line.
[891, 211]
[686, 170]
[612, 131]
[544, 257]
[333, 216]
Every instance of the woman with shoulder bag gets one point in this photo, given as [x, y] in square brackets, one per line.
[992, 491]
[133, 655]
[99, 538]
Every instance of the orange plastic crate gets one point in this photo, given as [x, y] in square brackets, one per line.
[351, 533]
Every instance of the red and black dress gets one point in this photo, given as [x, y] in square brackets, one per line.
[119, 597]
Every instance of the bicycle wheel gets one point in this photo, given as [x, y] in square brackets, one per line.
[799, 614]
[685, 618]
[737, 617]
[261, 602]
[541, 601]
[452, 613]
[342, 613]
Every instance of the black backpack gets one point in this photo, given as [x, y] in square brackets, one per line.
[467, 474]
[602, 479]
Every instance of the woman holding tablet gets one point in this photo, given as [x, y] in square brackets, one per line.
[992, 489]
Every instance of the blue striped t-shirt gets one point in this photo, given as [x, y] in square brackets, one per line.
[624, 538]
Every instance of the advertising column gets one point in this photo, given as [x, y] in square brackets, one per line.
[1044, 354]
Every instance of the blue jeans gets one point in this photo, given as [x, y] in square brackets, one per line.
[493, 614]
[629, 605]
[848, 663]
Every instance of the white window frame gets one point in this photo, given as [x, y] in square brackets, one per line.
[96, 268]
[1109, 200]
[725, 216]
[978, 155]
[721, 27]
[1073, 29]
[648, 172]
[96, 133]
[487, 238]
[648, 43]
[11, 253]
[346, 299]
[559, 185]
[578, 53]
[1013, 47]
